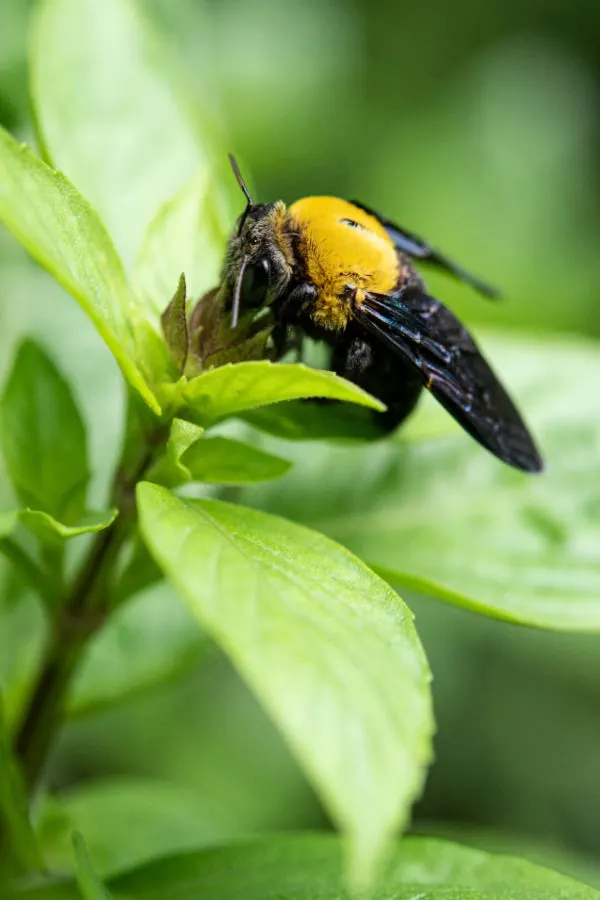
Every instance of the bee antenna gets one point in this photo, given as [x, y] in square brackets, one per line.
[240, 180]
[237, 292]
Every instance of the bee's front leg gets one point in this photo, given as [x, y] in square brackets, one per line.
[286, 339]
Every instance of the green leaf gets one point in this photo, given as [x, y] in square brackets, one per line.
[307, 867]
[124, 132]
[43, 436]
[47, 528]
[302, 421]
[44, 445]
[45, 213]
[542, 851]
[126, 821]
[14, 813]
[446, 518]
[148, 642]
[89, 884]
[188, 234]
[174, 324]
[168, 468]
[329, 650]
[189, 456]
[221, 460]
[247, 349]
[8, 520]
[232, 389]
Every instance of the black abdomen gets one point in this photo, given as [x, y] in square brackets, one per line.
[380, 372]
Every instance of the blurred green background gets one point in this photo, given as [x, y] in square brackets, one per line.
[477, 125]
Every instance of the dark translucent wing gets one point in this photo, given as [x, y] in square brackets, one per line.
[414, 246]
[430, 337]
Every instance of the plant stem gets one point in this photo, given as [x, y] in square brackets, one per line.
[80, 615]
[43, 714]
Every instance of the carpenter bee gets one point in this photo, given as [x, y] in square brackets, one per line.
[338, 272]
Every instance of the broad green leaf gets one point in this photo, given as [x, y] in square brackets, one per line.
[14, 814]
[446, 518]
[221, 460]
[50, 530]
[45, 213]
[43, 436]
[233, 389]
[328, 648]
[308, 867]
[89, 884]
[188, 234]
[126, 822]
[150, 641]
[123, 132]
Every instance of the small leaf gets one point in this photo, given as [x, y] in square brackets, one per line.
[43, 436]
[236, 388]
[125, 133]
[48, 529]
[189, 233]
[244, 350]
[213, 460]
[207, 330]
[168, 469]
[174, 325]
[220, 460]
[89, 884]
[58, 227]
[14, 814]
[330, 651]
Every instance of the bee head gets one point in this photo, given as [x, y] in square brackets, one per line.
[257, 265]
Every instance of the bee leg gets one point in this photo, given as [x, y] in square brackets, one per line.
[279, 339]
[382, 374]
[285, 340]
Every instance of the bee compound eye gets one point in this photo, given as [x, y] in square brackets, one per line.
[256, 283]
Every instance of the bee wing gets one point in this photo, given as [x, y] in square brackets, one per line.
[409, 243]
[441, 349]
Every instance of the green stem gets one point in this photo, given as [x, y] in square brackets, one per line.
[79, 616]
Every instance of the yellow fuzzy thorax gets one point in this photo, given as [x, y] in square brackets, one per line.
[336, 254]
